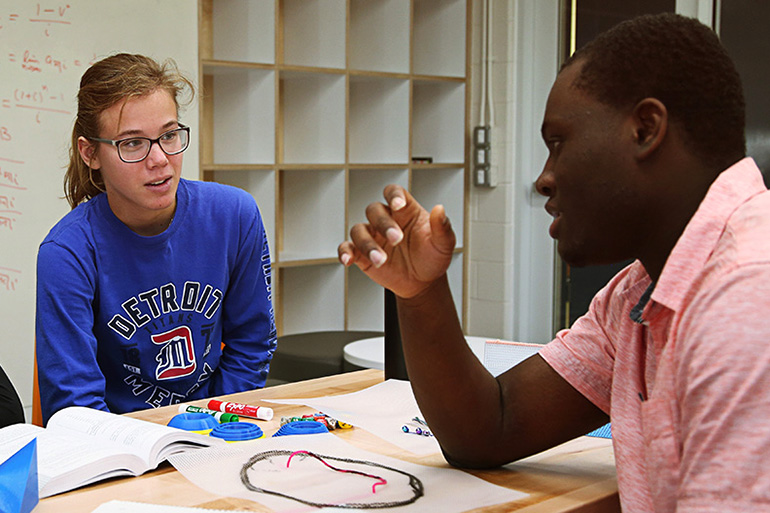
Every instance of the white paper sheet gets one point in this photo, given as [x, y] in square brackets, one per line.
[381, 409]
[217, 470]
[501, 355]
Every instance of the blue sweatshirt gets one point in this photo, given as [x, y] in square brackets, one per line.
[126, 322]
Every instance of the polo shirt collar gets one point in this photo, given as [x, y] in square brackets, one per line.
[733, 187]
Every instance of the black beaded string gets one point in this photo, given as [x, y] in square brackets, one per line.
[414, 482]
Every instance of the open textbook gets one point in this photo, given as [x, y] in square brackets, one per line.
[81, 446]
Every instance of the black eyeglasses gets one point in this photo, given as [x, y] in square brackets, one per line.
[136, 149]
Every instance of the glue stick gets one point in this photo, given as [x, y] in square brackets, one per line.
[242, 410]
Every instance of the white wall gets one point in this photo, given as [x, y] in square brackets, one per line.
[41, 68]
[513, 262]
[511, 279]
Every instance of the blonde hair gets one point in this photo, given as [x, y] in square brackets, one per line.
[111, 80]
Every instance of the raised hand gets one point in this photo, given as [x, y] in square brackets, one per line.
[402, 247]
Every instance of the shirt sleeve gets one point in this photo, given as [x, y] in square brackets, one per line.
[65, 345]
[584, 355]
[722, 386]
[249, 332]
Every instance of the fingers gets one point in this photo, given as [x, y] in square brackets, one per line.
[442, 234]
[405, 209]
[372, 242]
[345, 253]
[381, 219]
[396, 196]
[366, 239]
[384, 228]
[402, 209]
[363, 249]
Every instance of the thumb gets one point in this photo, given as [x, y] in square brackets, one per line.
[441, 230]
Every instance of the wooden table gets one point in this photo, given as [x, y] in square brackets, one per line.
[578, 476]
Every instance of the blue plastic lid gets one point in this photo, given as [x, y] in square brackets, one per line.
[301, 427]
[237, 431]
[193, 421]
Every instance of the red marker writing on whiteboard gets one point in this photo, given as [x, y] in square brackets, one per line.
[243, 410]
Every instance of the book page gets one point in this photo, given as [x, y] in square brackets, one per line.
[149, 441]
[65, 461]
[14, 437]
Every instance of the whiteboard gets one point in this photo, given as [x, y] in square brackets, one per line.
[45, 46]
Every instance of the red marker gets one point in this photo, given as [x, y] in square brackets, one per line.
[243, 410]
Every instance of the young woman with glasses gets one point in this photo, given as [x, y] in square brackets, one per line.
[154, 289]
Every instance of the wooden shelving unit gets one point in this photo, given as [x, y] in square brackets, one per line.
[313, 106]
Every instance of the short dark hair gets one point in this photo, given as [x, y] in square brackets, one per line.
[682, 63]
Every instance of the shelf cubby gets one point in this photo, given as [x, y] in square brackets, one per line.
[314, 33]
[379, 120]
[312, 213]
[313, 107]
[312, 298]
[379, 35]
[438, 111]
[439, 38]
[366, 186]
[260, 184]
[446, 186]
[243, 111]
[366, 302]
[243, 30]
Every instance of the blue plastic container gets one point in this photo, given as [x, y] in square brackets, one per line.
[198, 422]
[301, 427]
[237, 431]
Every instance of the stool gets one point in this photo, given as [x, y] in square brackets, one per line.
[302, 356]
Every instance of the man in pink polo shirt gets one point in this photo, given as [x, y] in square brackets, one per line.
[645, 131]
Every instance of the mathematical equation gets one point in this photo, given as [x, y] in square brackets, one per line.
[9, 179]
[45, 60]
[36, 99]
[29, 61]
[9, 182]
[8, 212]
[39, 86]
[11, 185]
[9, 278]
[44, 16]
[7, 219]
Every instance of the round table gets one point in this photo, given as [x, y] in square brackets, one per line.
[370, 352]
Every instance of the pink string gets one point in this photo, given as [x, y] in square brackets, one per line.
[380, 480]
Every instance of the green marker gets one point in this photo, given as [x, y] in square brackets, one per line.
[221, 417]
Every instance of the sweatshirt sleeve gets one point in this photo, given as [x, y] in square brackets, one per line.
[65, 345]
[249, 333]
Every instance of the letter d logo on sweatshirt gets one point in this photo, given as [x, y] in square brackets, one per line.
[176, 357]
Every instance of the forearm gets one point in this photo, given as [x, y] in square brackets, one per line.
[65, 344]
[479, 420]
[68, 373]
[249, 333]
[457, 395]
[249, 338]
[244, 364]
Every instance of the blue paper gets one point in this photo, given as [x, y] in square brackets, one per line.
[603, 432]
[18, 480]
